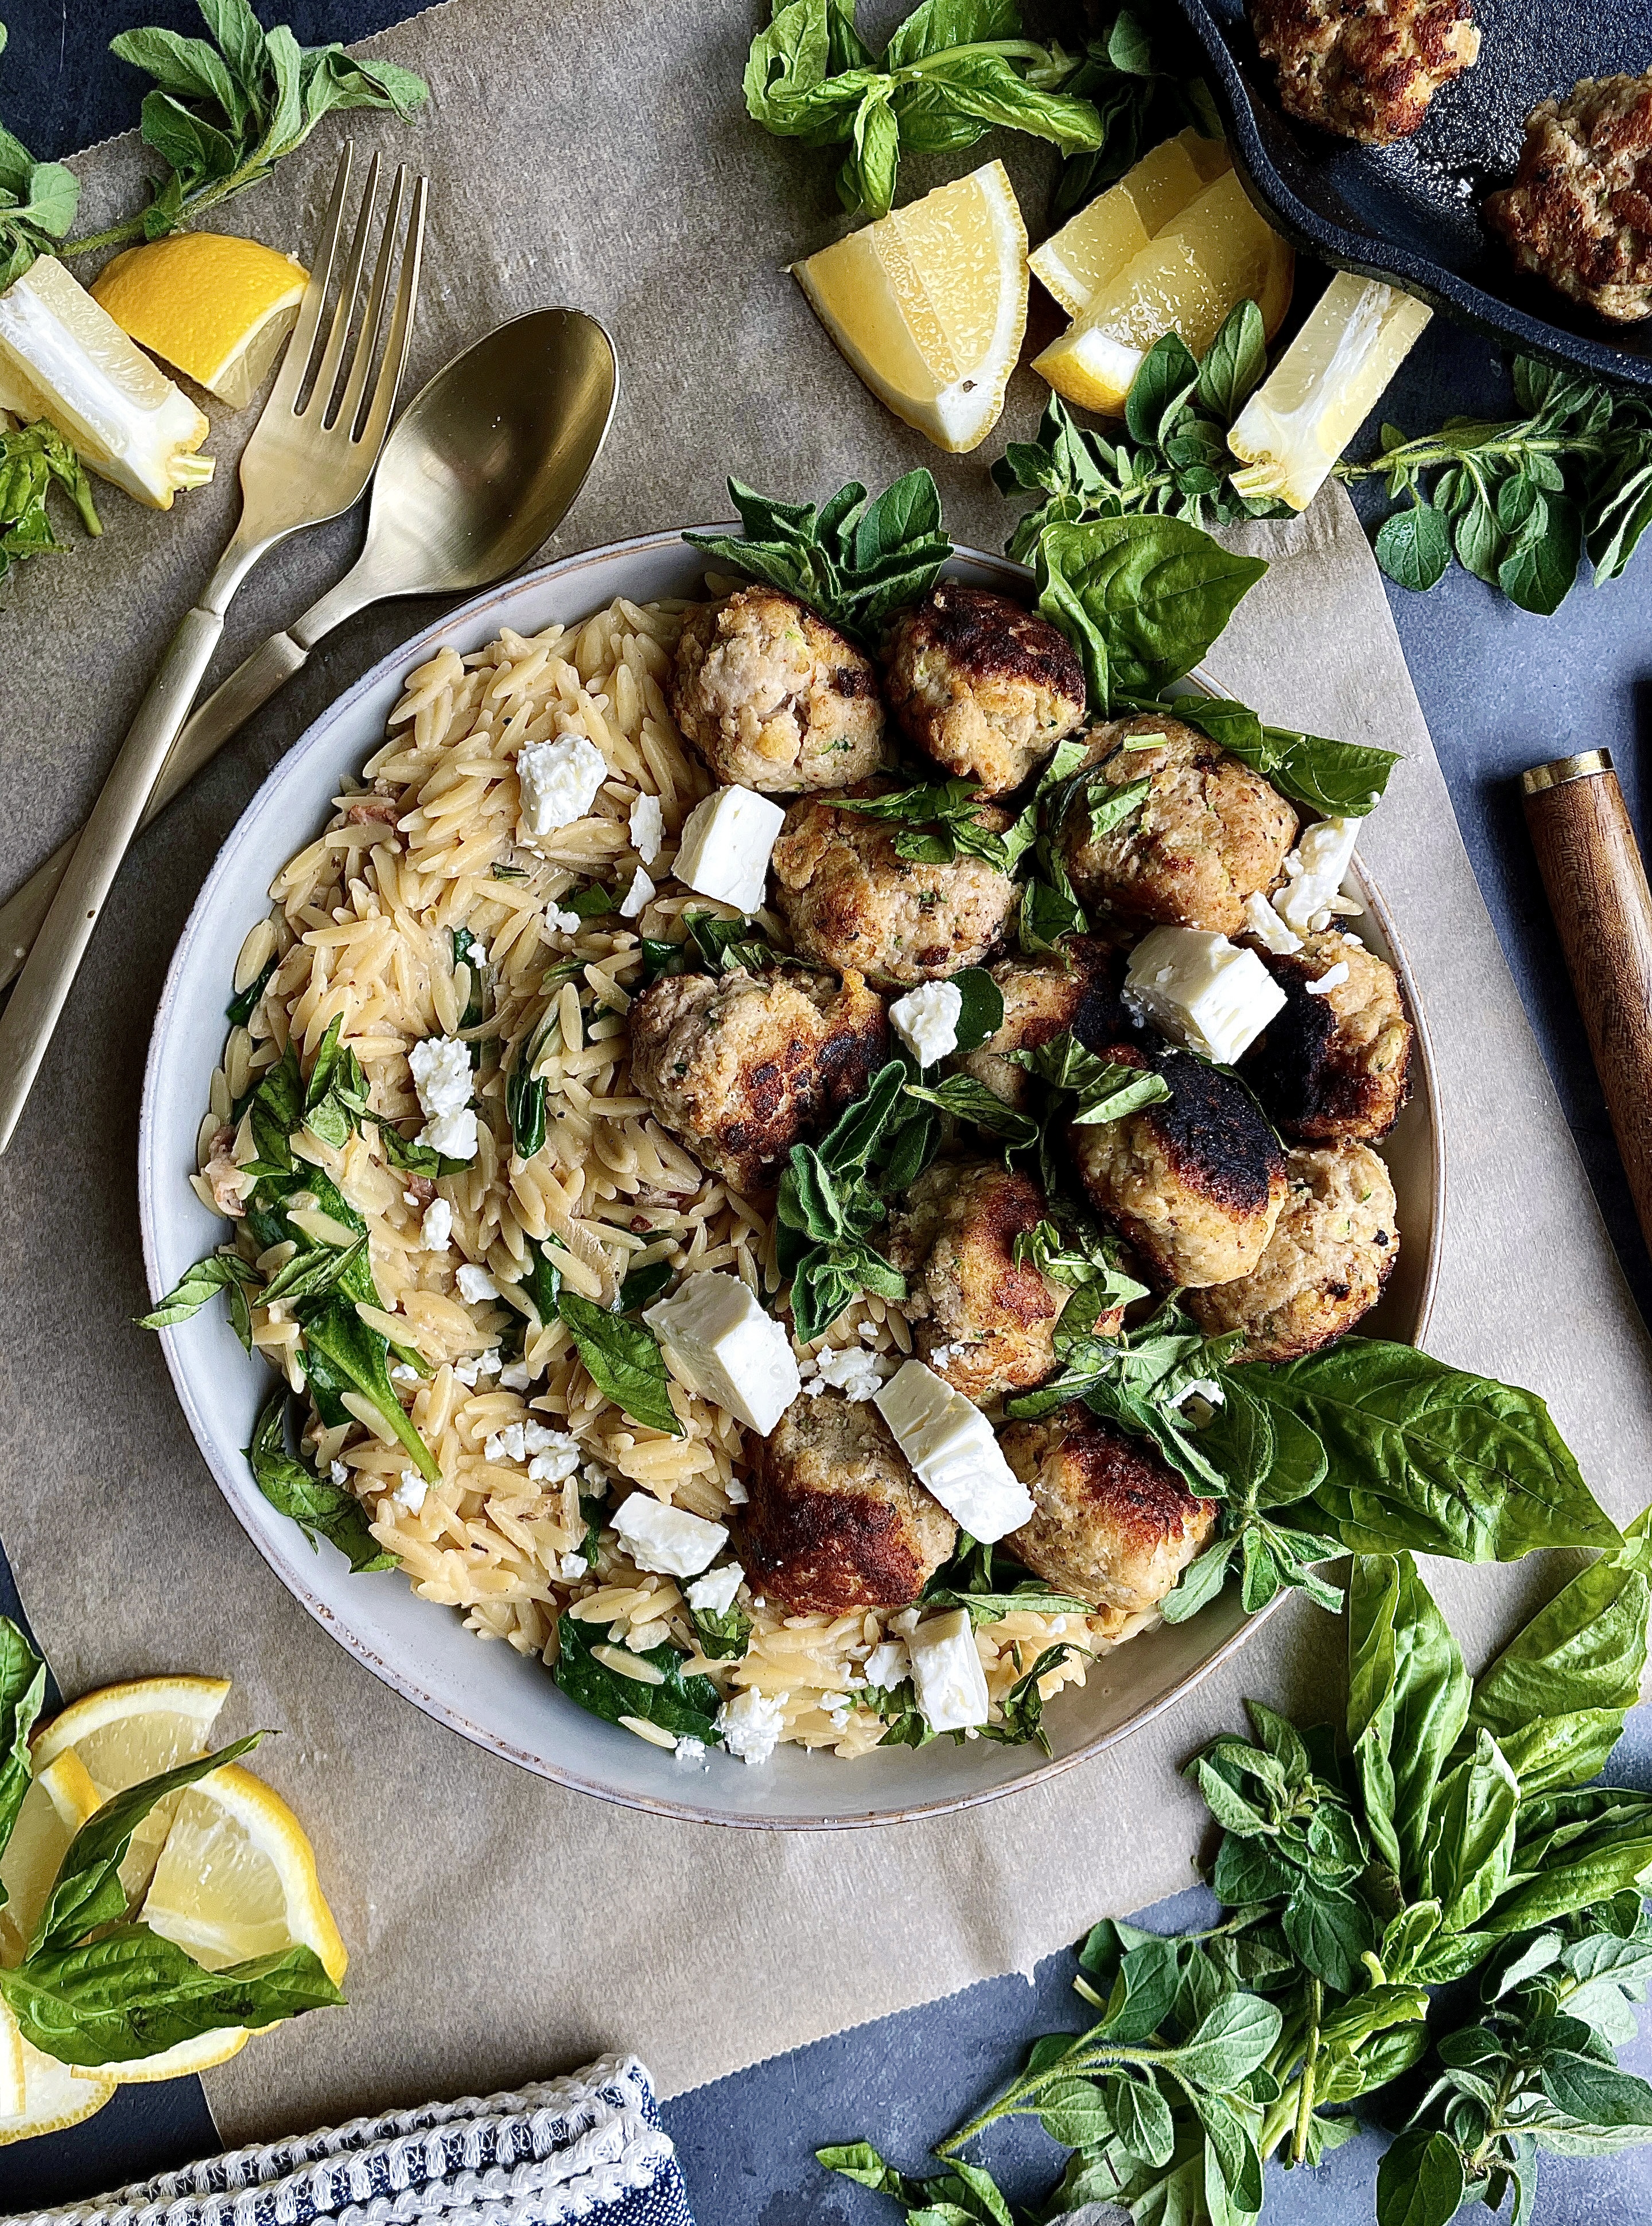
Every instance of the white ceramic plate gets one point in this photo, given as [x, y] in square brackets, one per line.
[487, 1691]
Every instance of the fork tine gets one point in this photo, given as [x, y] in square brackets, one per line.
[368, 340]
[401, 331]
[349, 293]
[295, 364]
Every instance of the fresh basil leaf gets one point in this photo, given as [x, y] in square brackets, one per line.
[320, 1507]
[982, 1011]
[1472, 1835]
[1344, 780]
[1235, 362]
[623, 1359]
[966, 1099]
[859, 2161]
[644, 1284]
[1048, 913]
[1155, 592]
[1167, 376]
[23, 1694]
[218, 1271]
[342, 1353]
[1230, 2043]
[1407, 1703]
[1113, 1092]
[526, 1096]
[685, 1705]
[1421, 2181]
[728, 944]
[1598, 2094]
[723, 1634]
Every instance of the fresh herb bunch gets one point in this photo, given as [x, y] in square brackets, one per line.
[95, 1987]
[853, 562]
[33, 460]
[1145, 88]
[950, 72]
[835, 1193]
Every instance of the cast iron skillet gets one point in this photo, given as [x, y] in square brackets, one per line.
[1410, 213]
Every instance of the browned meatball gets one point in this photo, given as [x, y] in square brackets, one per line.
[851, 899]
[1365, 69]
[1196, 1182]
[837, 1520]
[1579, 211]
[742, 1067]
[1336, 1062]
[1075, 987]
[1332, 1250]
[1208, 834]
[987, 687]
[773, 698]
[1115, 1525]
[980, 1320]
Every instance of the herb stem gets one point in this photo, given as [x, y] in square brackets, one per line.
[1310, 2066]
[207, 197]
[1082, 2060]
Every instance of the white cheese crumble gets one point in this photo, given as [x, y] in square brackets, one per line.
[572, 1568]
[452, 1135]
[516, 1378]
[1202, 991]
[556, 1459]
[668, 1540]
[435, 1230]
[408, 1494]
[691, 1754]
[339, 1473]
[647, 828]
[480, 1364]
[402, 1374]
[849, 1368]
[640, 892]
[951, 1446]
[947, 1675]
[1328, 980]
[738, 1495]
[475, 1284]
[714, 1594]
[440, 1070]
[1202, 1387]
[1269, 930]
[926, 1020]
[1317, 867]
[725, 847]
[727, 1348]
[751, 1724]
[559, 782]
[888, 1664]
[564, 923]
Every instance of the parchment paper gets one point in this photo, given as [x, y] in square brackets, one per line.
[500, 1928]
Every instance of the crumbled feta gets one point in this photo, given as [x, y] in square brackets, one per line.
[440, 1067]
[554, 1462]
[751, 1724]
[668, 1540]
[564, 923]
[640, 892]
[951, 1445]
[572, 1568]
[905, 1623]
[691, 1754]
[1202, 990]
[410, 1198]
[408, 1494]
[868, 1332]
[452, 1135]
[888, 1664]
[926, 1020]
[1202, 1387]
[515, 1377]
[1269, 929]
[480, 1364]
[947, 1675]
[738, 1495]
[647, 827]
[1330, 980]
[339, 1473]
[402, 1374]
[1316, 868]
[732, 1352]
[851, 1370]
[714, 1594]
[435, 1230]
[725, 847]
[559, 782]
[475, 1284]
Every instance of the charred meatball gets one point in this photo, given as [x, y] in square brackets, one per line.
[1115, 1525]
[1579, 211]
[987, 688]
[741, 1068]
[1365, 69]
[1075, 987]
[1336, 1062]
[1196, 1181]
[837, 1520]
[1209, 832]
[773, 698]
[980, 1320]
[851, 899]
[1332, 1250]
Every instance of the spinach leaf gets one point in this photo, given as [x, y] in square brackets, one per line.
[981, 1014]
[623, 1359]
[1343, 779]
[950, 811]
[241, 1007]
[218, 1271]
[644, 1284]
[686, 1706]
[1407, 1703]
[341, 1353]
[23, 1694]
[1035, 1597]
[320, 1507]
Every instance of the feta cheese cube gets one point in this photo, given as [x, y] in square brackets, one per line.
[950, 1682]
[926, 1020]
[476, 1285]
[728, 1350]
[640, 892]
[1317, 867]
[559, 782]
[339, 1473]
[647, 828]
[727, 840]
[668, 1540]
[435, 1230]
[951, 1446]
[1202, 990]
[1269, 929]
[888, 1664]
[714, 1594]
[408, 1494]
[751, 1724]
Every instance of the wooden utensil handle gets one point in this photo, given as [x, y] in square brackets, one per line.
[1592, 870]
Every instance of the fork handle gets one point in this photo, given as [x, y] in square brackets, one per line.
[26, 1025]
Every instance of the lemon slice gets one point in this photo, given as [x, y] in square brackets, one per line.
[215, 308]
[1299, 422]
[929, 305]
[64, 358]
[1094, 246]
[236, 1878]
[37, 2094]
[55, 1808]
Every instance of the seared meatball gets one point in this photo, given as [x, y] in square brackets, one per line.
[837, 1520]
[1332, 1250]
[741, 1067]
[980, 1320]
[1365, 69]
[1579, 211]
[1115, 1525]
[1196, 1182]
[986, 687]
[1207, 835]
[773, 698]
[1075, 987]
[851, 899]
[1335, 1062]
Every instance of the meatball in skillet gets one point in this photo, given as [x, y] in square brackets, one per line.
[1196, 1182]
[1579, 211]
[980, 1320]
[1209, 833]
[773, 697]
[850, 899]
[743, 1066]
[986, 687]
[837, 1518]
[1336, 1062]
[1075, 987]
[1115, 1525]
[1332, 1250]
[1367, 69]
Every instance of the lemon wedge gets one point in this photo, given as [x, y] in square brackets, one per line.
[1094, 246]
[236, 1878]
[1299, 422]
[929, 304]
[213, 307]
[57, 1804]
[37, 2094]
[63, 358]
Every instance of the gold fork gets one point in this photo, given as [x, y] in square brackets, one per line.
[312, 452]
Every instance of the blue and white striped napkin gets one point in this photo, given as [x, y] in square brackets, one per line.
[587, 2148]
